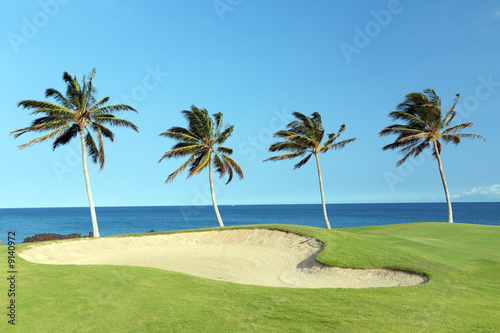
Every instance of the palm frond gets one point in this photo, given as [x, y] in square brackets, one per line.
[66, 136]
[285, 156]
[40, 127]
[110, 119]
[333, 136]
[406, 116]
[302, 162]
[316, 119]
[59, 97]
[182, 151]
[99, 103]
[97, 109]
[226, 165]
[234, 166]
[222, 137]
[73, 90]
[460, 136]
[432, 97]
[42, 138]
[183, 144]
[408, 137]
[89, 90]
[102, 156]
[450, 114]
[43, 106]
[407, 155]
[230, 172]
[455, 139]
[180, 134]
[337, 145]
[401, 144]
[302, 119]
[104, 130]
[471, 136]
[413, 151]
[303, 140]
[297, 127]
[456, 128]
[194, 121]
[402, 130]
[218, 123]
[45, 120]
[199, 121]
[179, 170]
[200, 163]
[220, 167]
[287, 146]
[69, 80]
[92, 148]
[284, 134]
[224, 150]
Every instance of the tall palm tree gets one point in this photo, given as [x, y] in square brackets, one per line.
[77, 112]
[425, 127]
[304, 136]
[201, 141]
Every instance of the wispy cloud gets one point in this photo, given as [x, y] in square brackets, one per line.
[496, 15]
[491, 190]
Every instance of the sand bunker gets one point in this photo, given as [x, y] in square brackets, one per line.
[248, 256]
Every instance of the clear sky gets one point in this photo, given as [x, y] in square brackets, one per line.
[256, 62]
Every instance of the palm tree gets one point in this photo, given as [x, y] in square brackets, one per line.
[425, 127]
[76, 113]
[201, 142]
[304, 136]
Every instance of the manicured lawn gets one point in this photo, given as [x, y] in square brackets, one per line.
[463, 294]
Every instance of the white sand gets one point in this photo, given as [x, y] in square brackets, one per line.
[248, 256]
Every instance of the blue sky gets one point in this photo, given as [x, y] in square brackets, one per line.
[256, 62]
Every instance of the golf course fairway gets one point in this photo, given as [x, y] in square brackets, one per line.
[462, 294]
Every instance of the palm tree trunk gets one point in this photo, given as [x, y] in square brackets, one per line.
[219, 219]
[450, 212]
[322, 194]
[87, 183]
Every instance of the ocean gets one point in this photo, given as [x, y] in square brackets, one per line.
[123, 220]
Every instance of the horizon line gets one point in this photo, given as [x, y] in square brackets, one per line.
[261, 204]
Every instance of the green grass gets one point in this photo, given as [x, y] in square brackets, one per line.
[463, 294]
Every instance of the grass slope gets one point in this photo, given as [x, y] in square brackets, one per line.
[463, 294]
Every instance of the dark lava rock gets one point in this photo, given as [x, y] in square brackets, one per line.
[47, 237]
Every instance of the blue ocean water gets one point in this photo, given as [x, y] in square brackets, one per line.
[123, 220]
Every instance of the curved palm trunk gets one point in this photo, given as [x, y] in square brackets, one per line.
[87, 183]
[450, 212]
[322, 194]
[219, 219]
